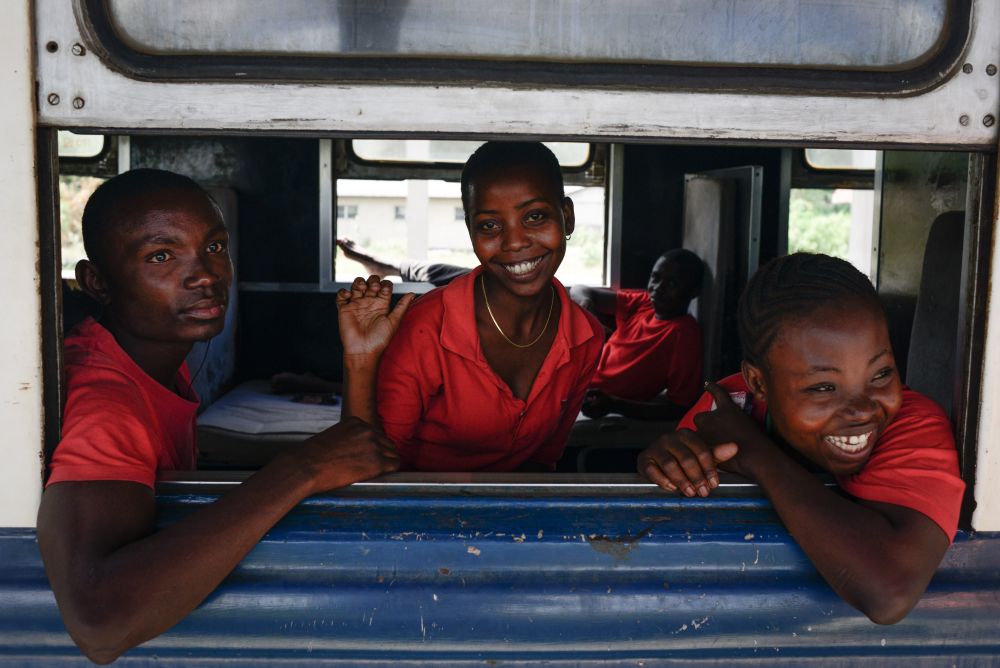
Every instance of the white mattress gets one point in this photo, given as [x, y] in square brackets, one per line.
[251, 408]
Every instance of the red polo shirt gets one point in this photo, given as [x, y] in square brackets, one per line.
[646, 355]
[447, 410]
[914, 463]
[119, 423]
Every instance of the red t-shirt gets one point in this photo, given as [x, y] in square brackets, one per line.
[447, 410]
[914, 463]
[119, 423]
[646, 355]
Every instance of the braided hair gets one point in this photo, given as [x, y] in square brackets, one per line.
[796, 286]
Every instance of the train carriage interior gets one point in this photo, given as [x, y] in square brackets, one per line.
[907, 218]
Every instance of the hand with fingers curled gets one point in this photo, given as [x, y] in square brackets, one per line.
[729, 423]
[684, 461]
[367, 323]
[348, 452]
[688, 460]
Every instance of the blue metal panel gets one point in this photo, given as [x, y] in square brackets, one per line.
[577, 580]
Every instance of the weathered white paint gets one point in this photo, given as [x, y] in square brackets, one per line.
[114, 101]
[20, 337]
[987, 492]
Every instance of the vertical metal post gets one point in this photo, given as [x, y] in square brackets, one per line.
[784, 202]
[50, 281]
[613, 248]
[976, 454]
[326, 219]
[877, 213]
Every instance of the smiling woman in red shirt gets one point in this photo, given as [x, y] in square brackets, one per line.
[488, 373]
[819, 392]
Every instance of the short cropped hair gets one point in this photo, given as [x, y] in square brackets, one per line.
[691, 266]
[795, 286]
[106, 208]
[501, 155]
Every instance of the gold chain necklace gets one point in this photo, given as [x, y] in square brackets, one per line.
[552, 301]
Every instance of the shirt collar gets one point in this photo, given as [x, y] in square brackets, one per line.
[458, 323]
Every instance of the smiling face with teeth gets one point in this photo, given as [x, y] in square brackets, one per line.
[518, 222]
[830, 384]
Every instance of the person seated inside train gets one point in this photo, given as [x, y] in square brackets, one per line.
[819, 392]
[489, 372]
[159, 266]
[651, 365]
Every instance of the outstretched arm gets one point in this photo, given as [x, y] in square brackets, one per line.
[367, 324]
[602, 301]
[598, 404]
[879, 557]
[118, 583]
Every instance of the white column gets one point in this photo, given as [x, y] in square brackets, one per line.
[20, 337]
[987, 492]
[417, 203]
[859, 251]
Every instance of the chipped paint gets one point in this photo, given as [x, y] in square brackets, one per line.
[619, 547]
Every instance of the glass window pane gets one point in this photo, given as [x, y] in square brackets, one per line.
[73, 145]
[871, 34]
[456, 152]
[838, 158]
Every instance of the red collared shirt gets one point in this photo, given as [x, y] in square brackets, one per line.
[914, 463]
[119, 423]
[646, 355]
[447, 410]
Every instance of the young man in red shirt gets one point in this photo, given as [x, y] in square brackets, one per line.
[651, 365]
[159, 266]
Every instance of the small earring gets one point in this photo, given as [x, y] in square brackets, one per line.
[568, 237]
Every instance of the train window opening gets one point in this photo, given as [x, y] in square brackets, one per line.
[834, 221]
[423, 220]
[840, 159]
[74, 191]
[84, 163]
[413, 210]
[397, 216]
[422, 151]
[74, 145]
[832, 205]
